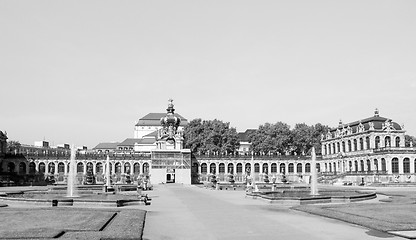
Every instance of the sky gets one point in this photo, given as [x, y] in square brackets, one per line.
[82, 72]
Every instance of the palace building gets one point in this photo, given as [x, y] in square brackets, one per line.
[370, 150]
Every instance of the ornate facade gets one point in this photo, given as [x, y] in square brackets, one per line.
[369, 150]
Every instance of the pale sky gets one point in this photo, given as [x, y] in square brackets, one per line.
[82, 72]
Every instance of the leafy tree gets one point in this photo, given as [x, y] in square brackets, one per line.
[271, 138]
[302, 138]
[318, 131]
[13, 146]
[210, 136]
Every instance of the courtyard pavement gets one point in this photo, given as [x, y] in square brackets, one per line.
[191, 212]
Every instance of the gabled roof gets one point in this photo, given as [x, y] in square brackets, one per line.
[108, 145]
[130, 142]
[151, 135]
[153, 119]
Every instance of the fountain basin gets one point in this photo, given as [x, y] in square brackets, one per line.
[86, 198]
[300, 197]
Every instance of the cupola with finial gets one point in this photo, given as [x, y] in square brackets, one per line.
[376, 113]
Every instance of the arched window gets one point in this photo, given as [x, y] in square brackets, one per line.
[273, 168]
[343, 146]
[395, 165]
[22, 168]
[98, 168]
[282, 168]
[318, 167]
[326, 167]
[291, 168]
[204, 168]
[80, 167]
[239, 168]
[299, 168]
[361, 144]
[368, 165]
[329, 149]
[356, 166]
[51, 167]
[376, 165]
[335, 167]
[406, 165]
[118, 167]
[221, 168]
[367, 143]
[230, 168]
[127, 168]
[387, 141]
[32, 168]
[308, 167]
[349, 145]
[11, 167]
[330, 167]
[377, 142]
[350, 166]
[145, 168]
[333, 150]
[383, 165]
[265, 168]
[361, 165]
[355, 145]
[397, 141]
[338, 148]
[257, 168]
[248, 168]
[212, 168]
[325, 150]
[61, 167]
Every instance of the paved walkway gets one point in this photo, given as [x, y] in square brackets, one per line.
[190, 212]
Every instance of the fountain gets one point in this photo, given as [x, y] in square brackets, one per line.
[314, 177]
[294, 193]
[107, 174]
[71, 180]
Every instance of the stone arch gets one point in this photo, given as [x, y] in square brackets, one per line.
[136, 168]
[11, 167]
[291, 168]
[51, 167]
[145, 168]
[22, 168]
[32, 168]
[80, 167]
[230, 168]
[395, 165]
[213, 168]
[127, 168]
[61, 167]
[299, 168]
[406, 165]
[42, 167]
[204, 168]
[239, 168]
[99, 169]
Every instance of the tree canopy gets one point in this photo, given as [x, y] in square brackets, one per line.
[13, 146]
[210, 136]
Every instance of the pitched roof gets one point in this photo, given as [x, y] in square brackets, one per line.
[153, 119]
[131, 141]
[107, 145]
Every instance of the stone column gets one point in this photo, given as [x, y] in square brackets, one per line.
[56, 167]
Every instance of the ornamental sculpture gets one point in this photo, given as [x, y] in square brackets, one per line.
[170, 124]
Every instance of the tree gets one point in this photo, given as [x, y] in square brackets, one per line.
[13, 146]
[271, 138]
[210, 136]
[302, 138]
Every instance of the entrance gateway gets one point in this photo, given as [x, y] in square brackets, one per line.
[170, 163]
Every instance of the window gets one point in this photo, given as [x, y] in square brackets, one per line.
[265, 168]
[355, 145]
[406, 165]
[318, 167]
[361, 144]
[395, 165]
[231, 168]
[291, 168]
[367, 140]
[222, 168]
[299, 168]
[387, 141]
[343, 146]
[383, 165]
[397, 141]
[377, 142]
[282, 168]
[376, 165]
[256, 168]
[349, 145]
[239, 168]
[273, 168]
[80, 167]
[368, 165]
[308, 167]
[136, 168]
